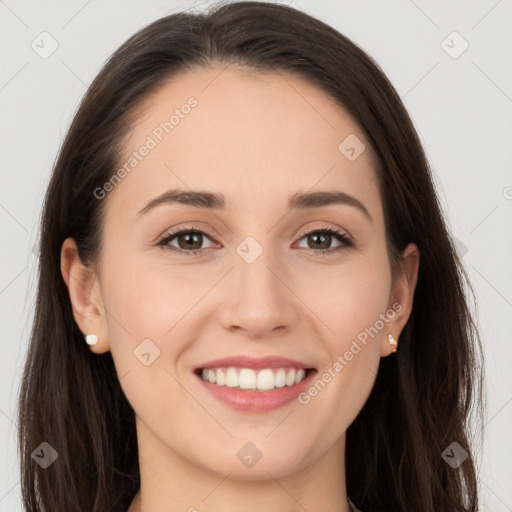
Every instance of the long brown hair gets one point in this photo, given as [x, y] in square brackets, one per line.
[423, 395]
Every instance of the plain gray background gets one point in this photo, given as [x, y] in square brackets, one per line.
[460, 102]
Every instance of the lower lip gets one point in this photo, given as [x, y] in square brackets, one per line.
[257, 401]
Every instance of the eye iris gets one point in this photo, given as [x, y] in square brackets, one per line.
[324, 237]
[197, 237]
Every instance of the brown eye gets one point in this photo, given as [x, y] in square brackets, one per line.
[322, 238]
[188, 241]
[319, 241]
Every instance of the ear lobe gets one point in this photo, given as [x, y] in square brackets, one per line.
[403, 293]
[84, 294]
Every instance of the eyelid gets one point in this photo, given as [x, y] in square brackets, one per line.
[330, 228]
[301, 233]
[327, 226]
[169, 235]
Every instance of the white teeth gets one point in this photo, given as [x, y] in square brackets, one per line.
[280, 378]
[247, 378]
[265, 380]
[231, 378]
[290, 378]
[220, 378]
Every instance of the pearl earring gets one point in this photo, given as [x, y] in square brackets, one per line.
[392, 342]
[91, 339]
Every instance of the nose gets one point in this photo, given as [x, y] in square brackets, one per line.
[260, 301]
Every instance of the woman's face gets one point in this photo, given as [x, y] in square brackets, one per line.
[259, 285]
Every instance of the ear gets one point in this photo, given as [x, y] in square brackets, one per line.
[401, 296]
[85, 296]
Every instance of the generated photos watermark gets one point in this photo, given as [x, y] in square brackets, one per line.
[151, 142]
[342, 360]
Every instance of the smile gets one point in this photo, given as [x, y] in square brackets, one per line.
[249, 390]
[246, 378]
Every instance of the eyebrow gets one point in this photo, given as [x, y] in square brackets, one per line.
[218, 201]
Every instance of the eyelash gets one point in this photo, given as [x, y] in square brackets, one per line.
[340, 235]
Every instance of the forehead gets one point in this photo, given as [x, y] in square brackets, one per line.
[256, 137]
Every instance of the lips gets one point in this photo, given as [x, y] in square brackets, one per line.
[240, 375]
[242, 361]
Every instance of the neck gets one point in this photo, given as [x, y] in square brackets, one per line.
[169, 483]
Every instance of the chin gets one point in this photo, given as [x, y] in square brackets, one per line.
[241, 467]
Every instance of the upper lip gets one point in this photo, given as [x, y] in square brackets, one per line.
[255, 362]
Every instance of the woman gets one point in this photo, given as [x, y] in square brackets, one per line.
[248, 297]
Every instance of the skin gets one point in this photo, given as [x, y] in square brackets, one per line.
[256, 138]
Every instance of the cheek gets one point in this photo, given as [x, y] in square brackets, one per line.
[157, 310]
[149, 300]
[149, 311]
[349, 297]
[141, 308]
[364, 297]
[353, 302]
